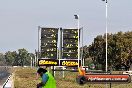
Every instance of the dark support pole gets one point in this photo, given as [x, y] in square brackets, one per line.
[60, 47]
[53, 72]
[110, 83]
[82, 49]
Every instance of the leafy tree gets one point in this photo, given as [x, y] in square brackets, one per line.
[23, 56]
[2, 59]
[9, 58]
[119, 50]
[16, 59]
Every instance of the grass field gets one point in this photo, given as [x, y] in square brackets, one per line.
[26, 78]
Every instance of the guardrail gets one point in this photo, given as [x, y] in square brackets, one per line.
[6, 84]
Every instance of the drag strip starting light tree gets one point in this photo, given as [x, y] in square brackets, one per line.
[49, 39]
[67, 49]
[70, 44]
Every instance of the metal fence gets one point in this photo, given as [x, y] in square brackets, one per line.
[4, 74]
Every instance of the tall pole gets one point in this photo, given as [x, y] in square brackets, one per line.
[35, 59]
[78, 42]
[106, 16]
[106, 24]
[106, 35]
[77, 17]
[82, 48]
[60, 47]
[38, 43]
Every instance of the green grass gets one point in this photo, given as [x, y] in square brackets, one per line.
[26, 78]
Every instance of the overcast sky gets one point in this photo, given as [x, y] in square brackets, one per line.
[19, 19]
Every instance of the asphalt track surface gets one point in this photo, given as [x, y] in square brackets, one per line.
[4, 73]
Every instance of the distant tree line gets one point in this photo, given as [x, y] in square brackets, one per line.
[16, 58]
[119, 51]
